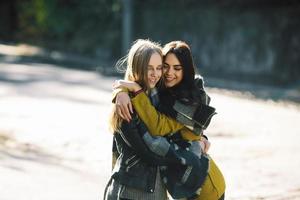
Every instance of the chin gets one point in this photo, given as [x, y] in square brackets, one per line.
[169, 84]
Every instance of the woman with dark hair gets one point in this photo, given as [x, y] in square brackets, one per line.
[182, 98]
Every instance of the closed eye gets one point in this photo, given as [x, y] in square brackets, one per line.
[178, 67]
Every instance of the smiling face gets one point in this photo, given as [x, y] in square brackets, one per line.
[172, 70]
[154, 71]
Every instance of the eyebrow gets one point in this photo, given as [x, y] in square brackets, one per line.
[153, 66]
[174, 65]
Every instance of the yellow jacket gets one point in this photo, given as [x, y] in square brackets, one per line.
[157, 123]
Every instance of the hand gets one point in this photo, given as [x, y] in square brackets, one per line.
[130, 85]
[124, 106]
[205, 144]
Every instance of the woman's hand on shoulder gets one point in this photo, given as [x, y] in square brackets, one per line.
[130, 85]
[124, 106]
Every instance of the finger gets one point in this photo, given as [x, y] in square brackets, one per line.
[119, 112]
[207, 146]
[124, 113]
[130, 107]
[116, 84]
[205, 149]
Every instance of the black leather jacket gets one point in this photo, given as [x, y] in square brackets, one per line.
[136, 165]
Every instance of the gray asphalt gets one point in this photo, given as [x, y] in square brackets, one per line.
[55, 144]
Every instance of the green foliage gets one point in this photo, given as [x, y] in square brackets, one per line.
[81, 26]
[230, 37]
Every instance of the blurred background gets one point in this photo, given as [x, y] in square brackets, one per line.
[57, 62]
[244, 40]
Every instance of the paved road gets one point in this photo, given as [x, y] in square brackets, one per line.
[54, 141]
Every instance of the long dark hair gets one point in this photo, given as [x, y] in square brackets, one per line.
[183, 90]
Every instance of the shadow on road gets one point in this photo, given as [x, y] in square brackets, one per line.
[38, 58]
[15, 150]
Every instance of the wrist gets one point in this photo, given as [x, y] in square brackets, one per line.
[135, 93]
[137, 88]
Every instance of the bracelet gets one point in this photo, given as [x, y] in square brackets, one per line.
[137, 92]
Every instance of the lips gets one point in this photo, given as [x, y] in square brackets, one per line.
[152, 81]
[169, 79]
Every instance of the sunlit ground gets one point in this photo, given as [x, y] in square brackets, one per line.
[20, 50]
[54, 141]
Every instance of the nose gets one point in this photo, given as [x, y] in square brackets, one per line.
[169, 71]
[154, 73]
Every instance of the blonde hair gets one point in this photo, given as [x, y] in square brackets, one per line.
[136, 62]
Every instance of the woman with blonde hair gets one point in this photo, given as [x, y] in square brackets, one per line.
[135, 174]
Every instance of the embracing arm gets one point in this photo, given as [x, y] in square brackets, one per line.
[121, 98]
[157, 123]
[116, 92]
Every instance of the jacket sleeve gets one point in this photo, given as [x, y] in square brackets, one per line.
[157, 123]
[131, 136]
